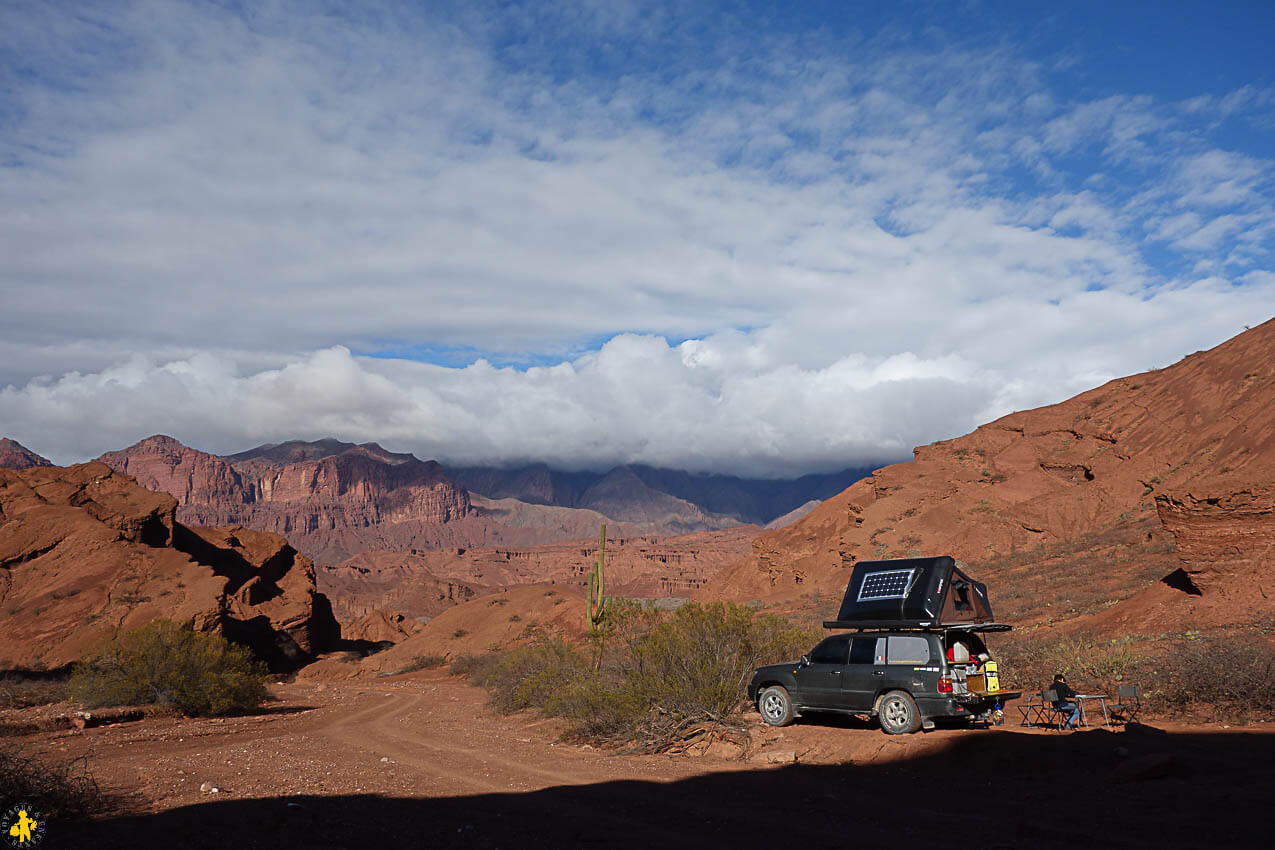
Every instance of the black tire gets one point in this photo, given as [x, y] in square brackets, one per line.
[775, 706]
[898, 713]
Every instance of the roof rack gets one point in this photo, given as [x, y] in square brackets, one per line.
[913, 626]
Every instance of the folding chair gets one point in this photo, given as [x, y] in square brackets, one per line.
[1030, 710]
[1130, 703]
[1055, 717]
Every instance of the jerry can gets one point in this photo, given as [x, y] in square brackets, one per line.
[991, 672]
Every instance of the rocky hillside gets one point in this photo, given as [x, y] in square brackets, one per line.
[14, 455]
[425, 582]
[85, 552]
[1063, 509]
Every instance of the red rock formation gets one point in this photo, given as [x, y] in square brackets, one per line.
[382, 626]
[208, 489]
[1080, 470]
[14, 455]
[330, 506]
[85, 553]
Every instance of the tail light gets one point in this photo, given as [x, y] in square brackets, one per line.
[945, 684]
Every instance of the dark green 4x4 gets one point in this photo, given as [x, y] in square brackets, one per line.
[901, 677]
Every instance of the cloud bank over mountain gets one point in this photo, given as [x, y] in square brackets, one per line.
[699, 239]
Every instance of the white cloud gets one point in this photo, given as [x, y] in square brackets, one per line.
[201, 212]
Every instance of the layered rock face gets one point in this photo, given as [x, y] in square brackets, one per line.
[86, 553]
[1223, 533]
[14, 455]
[330, 505]
[1087, 468]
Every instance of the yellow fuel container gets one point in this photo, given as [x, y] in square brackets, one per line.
[992, 675]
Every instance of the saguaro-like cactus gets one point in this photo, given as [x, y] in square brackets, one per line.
[597, 601]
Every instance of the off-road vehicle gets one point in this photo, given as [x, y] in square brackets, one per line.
[914, 653]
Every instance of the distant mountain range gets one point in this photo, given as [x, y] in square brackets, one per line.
[333, 499]
[634, 492]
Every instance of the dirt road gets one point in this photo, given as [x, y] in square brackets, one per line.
[420, 761]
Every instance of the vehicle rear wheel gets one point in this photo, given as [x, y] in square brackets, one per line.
[898, 713]
[775, 706]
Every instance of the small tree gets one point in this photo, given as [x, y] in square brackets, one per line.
[167, 663]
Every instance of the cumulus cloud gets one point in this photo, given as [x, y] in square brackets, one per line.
[701, 246]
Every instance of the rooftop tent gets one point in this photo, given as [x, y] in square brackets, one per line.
[911, 593]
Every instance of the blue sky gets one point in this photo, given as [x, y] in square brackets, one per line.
[738, 238]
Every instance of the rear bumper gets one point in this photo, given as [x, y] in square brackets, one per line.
[954, 706]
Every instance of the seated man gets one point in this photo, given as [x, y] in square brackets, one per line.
[1064, 703]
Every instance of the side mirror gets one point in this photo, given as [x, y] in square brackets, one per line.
[805, 661]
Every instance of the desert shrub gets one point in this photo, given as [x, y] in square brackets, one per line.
[528, 676]
[647, 675]
[1029, 661]
[1225, 677]
[22, 689]
[460, 633]
[694, 666]
[56, 788]
[466, 664]
[422, 662]
[169, 664]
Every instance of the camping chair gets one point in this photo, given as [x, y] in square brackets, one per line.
[1130, 703]
[1033, 710]
[1055, 717]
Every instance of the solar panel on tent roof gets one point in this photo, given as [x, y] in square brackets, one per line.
[887, 584]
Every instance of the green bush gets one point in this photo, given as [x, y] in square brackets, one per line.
[652, 673]
[166, 663]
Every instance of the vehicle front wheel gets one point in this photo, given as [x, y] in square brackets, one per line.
[775, 706]
[898, 713]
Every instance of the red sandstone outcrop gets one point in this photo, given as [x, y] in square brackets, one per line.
[329, 506]
[382, 626]
[14, 455]
[85, 553]
[1089, 467]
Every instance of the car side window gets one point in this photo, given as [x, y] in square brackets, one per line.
[831, 651]
[908, 649]
[862, 650]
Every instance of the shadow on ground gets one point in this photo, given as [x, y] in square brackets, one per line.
[988, 790]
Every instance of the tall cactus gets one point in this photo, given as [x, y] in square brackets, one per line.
[597, 601]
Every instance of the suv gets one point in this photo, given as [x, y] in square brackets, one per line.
[901, 677]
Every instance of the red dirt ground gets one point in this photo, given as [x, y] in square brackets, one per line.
[420, 761]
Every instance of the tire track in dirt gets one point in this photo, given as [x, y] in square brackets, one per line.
[462, 749]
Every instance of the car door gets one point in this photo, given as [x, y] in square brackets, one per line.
[819, 682]
[911, 664]
[862, 676]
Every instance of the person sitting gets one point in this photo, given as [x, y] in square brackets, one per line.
[1065, 695]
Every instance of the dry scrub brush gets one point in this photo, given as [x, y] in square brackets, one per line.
[56, 788]
[648, 676]
[168, 664]
[1220, 676]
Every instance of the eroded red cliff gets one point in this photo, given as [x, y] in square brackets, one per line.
[85, 553]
